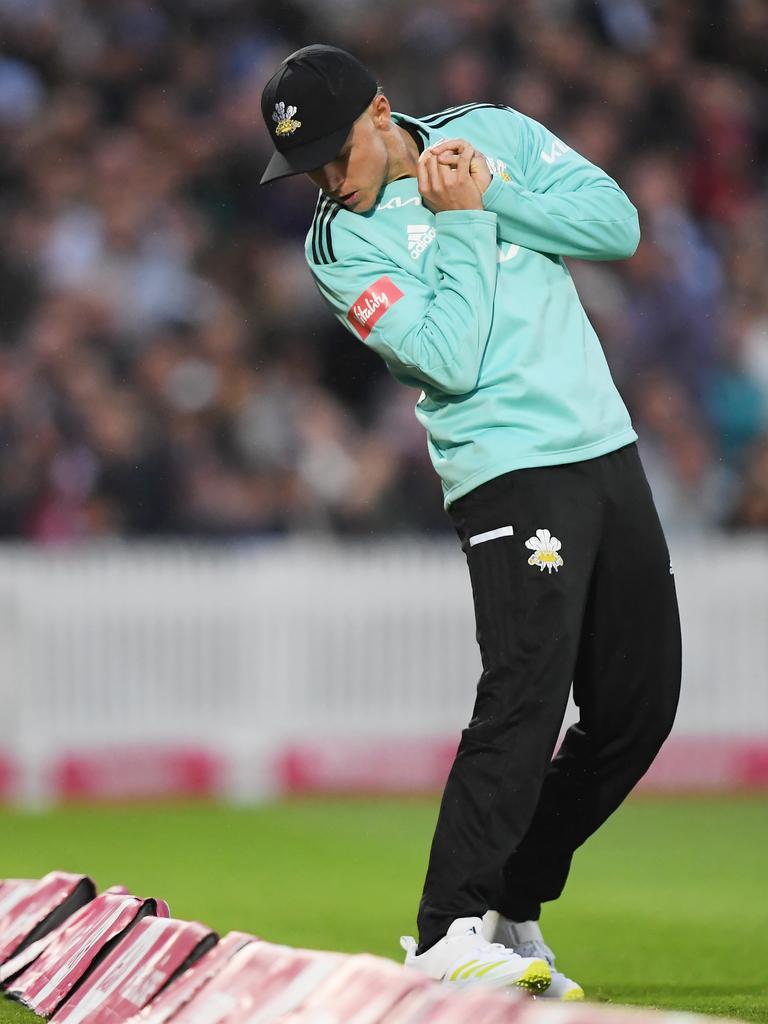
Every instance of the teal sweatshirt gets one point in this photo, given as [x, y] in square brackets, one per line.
[477, 308]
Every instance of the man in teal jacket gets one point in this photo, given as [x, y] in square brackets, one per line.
[439, 242]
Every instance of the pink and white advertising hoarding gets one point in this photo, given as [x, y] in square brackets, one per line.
[135, 971]
[184, 988]
[75, 950]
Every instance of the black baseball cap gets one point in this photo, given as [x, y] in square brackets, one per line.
[309, 106]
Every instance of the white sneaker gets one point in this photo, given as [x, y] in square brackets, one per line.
[525, 938]
[464, 957]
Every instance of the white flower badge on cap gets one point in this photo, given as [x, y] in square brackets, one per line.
[545, 549]
[284, 117]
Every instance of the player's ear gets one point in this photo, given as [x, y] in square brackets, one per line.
[380, 110]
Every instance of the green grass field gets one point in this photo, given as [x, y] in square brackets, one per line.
[667, 906]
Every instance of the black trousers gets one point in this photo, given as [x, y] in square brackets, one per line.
[572, 585]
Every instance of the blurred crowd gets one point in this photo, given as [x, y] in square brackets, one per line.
[166, 364]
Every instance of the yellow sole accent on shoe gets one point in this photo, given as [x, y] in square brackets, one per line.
[573, 995]
[537, 977]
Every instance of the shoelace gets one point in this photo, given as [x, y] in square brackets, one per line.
[539, 950]
[499, 947]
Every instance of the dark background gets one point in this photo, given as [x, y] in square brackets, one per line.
[166, 365]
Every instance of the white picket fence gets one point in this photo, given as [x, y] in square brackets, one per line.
[242, 649]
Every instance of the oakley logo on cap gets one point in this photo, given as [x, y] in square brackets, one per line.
[284, 117]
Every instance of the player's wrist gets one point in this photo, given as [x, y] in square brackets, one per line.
[446, 217]
[459, 207]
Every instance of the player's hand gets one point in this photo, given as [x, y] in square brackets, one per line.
[448, 153]
[448, 187]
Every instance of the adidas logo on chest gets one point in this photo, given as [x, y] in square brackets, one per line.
[420, 237]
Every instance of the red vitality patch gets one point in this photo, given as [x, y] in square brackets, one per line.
[377, 298]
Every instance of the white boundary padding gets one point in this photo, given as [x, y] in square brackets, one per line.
[246, 649]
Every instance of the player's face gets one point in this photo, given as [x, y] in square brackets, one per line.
[355, 177]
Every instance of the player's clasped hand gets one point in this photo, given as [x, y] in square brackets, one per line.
[449, 185]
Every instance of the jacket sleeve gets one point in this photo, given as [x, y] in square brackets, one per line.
[428, 336]
[551, 200]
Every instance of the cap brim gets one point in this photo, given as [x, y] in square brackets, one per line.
[308, 157]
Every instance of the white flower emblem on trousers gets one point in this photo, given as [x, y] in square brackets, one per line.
[545, 549]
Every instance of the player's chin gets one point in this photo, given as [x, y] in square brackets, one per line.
[363, 201]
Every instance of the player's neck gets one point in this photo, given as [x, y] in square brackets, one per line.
[404, 157]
